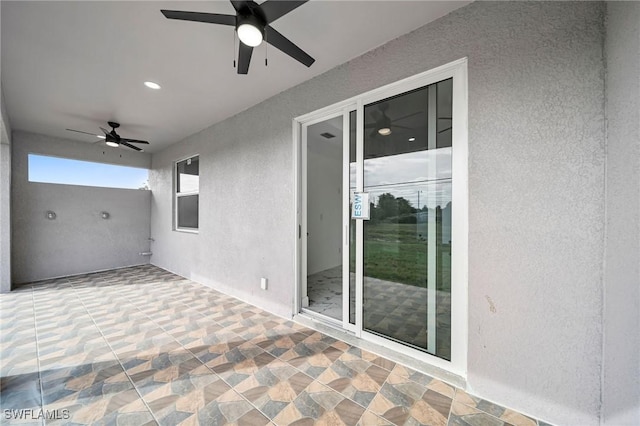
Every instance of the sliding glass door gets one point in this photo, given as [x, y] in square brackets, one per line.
[384, 215]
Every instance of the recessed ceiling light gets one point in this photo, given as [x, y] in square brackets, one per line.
[412, 139]
[152, 85]
[385, 131]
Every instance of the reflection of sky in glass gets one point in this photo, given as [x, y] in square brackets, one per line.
[422, 177]
[189, 183]
[85, 173]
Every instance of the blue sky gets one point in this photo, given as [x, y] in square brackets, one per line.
[74, 172]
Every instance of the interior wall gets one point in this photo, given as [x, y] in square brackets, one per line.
[621, 372]
[324, 218]
[78, 240]
[536, 185]
[5, 199]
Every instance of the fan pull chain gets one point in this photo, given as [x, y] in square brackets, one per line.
[266, 48]
[234, 49]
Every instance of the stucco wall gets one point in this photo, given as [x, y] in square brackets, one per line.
[536, 185]
[78, 240]
[5, 198]
[621, 373]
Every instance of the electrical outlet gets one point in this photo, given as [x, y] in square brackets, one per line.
[263, 283]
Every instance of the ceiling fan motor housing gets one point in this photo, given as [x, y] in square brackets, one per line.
[252, 9]
[251, 18]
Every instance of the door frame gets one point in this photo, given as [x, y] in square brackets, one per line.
[460, 216]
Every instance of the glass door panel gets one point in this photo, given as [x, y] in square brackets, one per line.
[407, 241]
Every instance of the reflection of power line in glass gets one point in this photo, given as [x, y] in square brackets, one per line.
[432, 201]
[412, 183]
[419, 194]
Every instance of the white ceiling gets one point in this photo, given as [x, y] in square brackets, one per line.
[79, 64]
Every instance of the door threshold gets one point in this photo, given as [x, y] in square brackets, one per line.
[317, 316]
[334, 329]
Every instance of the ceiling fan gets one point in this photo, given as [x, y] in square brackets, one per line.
[112, 138]
[252, 22]
[383, 124]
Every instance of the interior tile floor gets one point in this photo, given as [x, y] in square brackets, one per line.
[324, 290]
[142, 346]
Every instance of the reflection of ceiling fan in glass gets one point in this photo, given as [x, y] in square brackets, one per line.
[383, 124]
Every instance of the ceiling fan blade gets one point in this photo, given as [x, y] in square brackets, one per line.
[402, 127]
[244, 58]
[407, 116]
[134, 141]
[274, 9]
[106, 132]
[130, 146]
[282, 43]
[209, 18]
[80, 131]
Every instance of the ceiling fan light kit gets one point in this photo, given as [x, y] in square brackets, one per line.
[252, 23]
[250, 30]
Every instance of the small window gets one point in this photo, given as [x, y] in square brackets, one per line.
[187, 193]
[66, 171]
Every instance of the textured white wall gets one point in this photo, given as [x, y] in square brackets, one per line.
[5, 198]
[324, 221]
[79, 240]
[536, 185]
[621, 384]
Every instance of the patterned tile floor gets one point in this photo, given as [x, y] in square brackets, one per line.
[141, 346]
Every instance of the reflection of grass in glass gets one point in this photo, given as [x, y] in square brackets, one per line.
[396, 252]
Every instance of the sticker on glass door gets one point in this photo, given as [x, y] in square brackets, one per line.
[360, 208]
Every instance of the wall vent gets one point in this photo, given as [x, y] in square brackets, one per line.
[327, 135]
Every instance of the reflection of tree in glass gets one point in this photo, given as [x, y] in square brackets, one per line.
[390, 207]
[396, 242]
